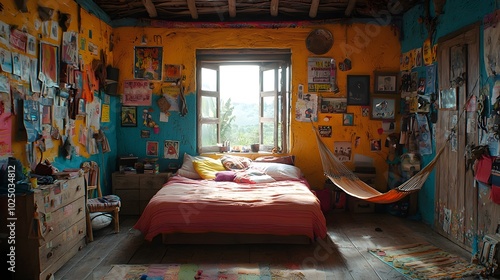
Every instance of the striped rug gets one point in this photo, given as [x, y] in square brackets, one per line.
[247, 271]
[425, 261]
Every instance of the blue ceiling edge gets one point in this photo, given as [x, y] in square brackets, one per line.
[93, 9]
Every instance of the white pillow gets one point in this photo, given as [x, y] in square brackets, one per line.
[100, 220]
[187, 170]
[278, 171]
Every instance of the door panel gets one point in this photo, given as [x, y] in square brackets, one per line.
[456, 196]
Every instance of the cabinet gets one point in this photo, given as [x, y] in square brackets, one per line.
[60, 207]
[135, 190]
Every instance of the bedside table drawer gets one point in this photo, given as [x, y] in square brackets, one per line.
[124, 181]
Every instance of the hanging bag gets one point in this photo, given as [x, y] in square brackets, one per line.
[482, 169]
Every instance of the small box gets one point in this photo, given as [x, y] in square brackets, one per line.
[357, 205]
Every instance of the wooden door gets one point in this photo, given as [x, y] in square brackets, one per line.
[456, 199]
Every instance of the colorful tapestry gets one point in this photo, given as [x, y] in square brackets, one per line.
[246, 271]
[425, 261]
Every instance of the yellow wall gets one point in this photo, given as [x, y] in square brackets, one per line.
[29, 22]
[370, 48]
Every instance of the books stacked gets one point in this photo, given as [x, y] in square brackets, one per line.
[151, 168]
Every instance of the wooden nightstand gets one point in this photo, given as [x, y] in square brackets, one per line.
[135, 190]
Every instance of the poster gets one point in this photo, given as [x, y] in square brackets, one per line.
[4, 33]
[93, 111]
[491, 39]
[4, 84]
[152, 148]
[137, 93]
[306, 108]
[18, 40]
[49, 64]
[105, 113]
[171, 149]
[35, 83]
[342, 150]
[5, 60]
[321, 74]
[430, 78]
[172, 73]
[424, 135]
[31, 45]
[172, 94]
[70, 48]
[148, 63]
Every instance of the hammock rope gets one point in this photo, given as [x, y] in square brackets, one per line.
[346, 180]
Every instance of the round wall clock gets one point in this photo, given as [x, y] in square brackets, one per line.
[319, 41]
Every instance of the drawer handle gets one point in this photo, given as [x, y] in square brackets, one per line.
[51, 229]
[80, 231]
[78, 188]
[49, 255]
[80, 210]
[80, 248]
[49, 276]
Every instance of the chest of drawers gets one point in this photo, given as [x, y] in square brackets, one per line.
[135, 190]
[43, 247]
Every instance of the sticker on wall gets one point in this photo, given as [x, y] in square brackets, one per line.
[145, 133]
[342, 150]
[171, 149]
[375, 145]
[325, 130]
[306, 109]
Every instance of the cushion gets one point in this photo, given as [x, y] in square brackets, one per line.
[235, 162]
[187, 169]
[278, 171]
[250, 176]
[284, 159]
[225, 176]
[207, 168]
[100, 220]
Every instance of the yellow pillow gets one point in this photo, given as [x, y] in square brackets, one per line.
[208, 167]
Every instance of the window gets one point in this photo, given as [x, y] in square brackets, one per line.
[243, 99]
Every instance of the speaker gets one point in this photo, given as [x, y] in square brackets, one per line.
[112, 80]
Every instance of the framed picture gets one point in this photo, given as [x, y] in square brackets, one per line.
[152, 148]
[383, 108]
[129, 116]
[333, 105]
[148, 63]
[325, 130]
[386, 82]
[145, 133]
[358, 89]
[171, 149]
[348, 119]
[448, 99]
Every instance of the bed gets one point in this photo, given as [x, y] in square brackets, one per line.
[254, 202]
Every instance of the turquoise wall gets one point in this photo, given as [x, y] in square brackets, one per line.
[106, 160]
[457, 14]
[178, 128]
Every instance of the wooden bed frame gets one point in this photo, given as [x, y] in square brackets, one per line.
[231, 238]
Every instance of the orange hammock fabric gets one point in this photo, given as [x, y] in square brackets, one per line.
[345, 179]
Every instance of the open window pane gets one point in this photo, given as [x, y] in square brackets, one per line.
[268, 80]
[268, 134]
[208, 79]
[208, 107]
[268, 107]
[209, 131]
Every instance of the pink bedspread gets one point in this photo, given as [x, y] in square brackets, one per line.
[196, 206]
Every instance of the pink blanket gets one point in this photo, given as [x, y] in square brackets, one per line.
[196, 206]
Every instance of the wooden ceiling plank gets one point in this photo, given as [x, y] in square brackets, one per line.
[192, 9]
[350, 7]
[313, 11]
[274, 7]
[232, 8]
[150, 7]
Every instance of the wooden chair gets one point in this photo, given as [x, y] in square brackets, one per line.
[104, 204]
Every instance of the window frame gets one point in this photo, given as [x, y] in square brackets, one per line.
[281, 58]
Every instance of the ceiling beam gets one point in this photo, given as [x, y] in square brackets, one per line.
[192, 9]
[350, 7]
[274, 7]
[232, 7]
[150, 7]
[313, 11]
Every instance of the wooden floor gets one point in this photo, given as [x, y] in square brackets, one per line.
[344, 256]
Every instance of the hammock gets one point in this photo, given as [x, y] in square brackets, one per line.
[345, 179]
